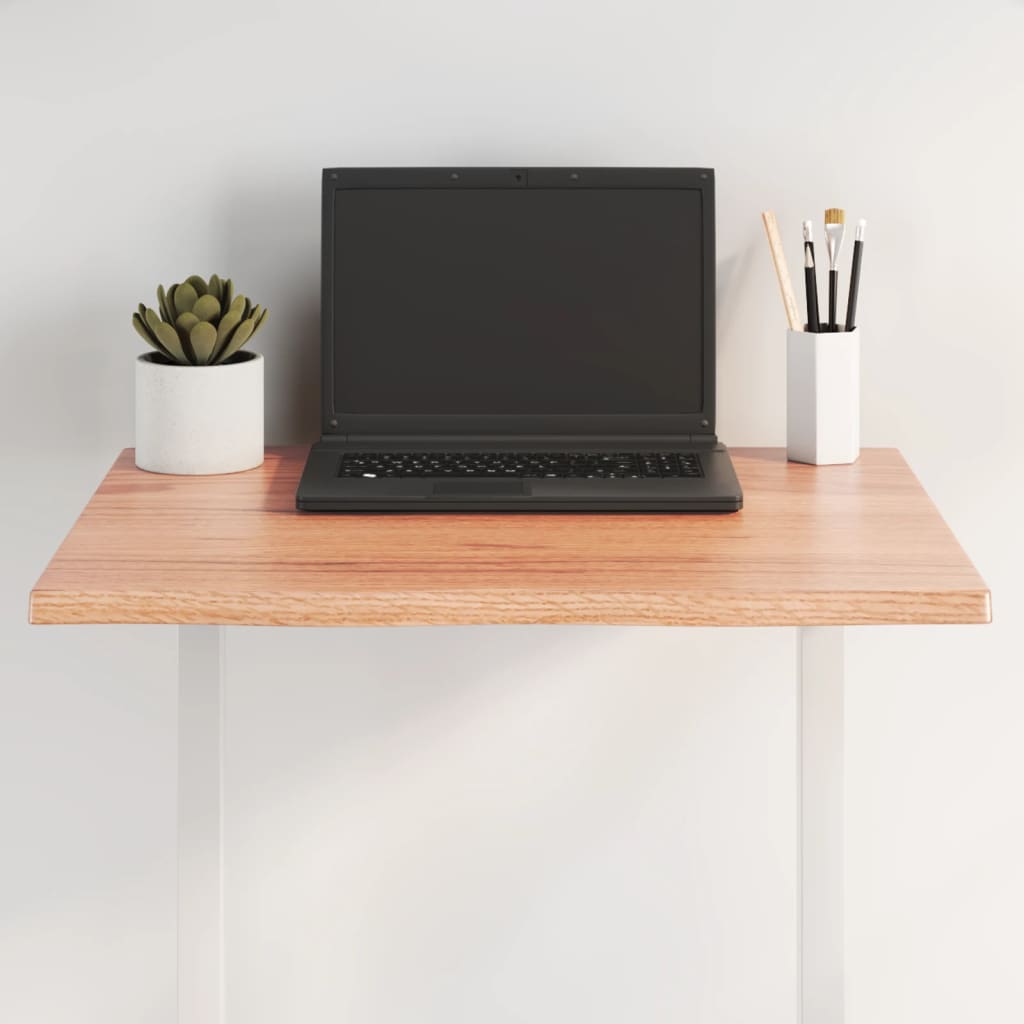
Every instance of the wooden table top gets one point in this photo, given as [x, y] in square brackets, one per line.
[835, 545]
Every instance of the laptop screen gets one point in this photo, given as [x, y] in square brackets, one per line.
[517, 301]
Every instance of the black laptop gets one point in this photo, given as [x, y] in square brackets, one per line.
[518, 340]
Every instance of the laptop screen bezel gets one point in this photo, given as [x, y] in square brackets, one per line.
[336, 421]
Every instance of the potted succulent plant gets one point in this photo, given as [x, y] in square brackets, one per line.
[198, 395]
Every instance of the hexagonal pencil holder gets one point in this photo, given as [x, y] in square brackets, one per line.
[823, 397]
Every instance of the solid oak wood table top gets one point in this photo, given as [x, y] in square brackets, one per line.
[828, 545]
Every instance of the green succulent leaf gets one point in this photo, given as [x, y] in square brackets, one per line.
[228, 322]
[186, 347]
[239, 337]
[185, 323]
[167, 336]
[207, 308]
[259, 322]
[227, 294]
[139, 323]
[144, 332]
[164, 304]
[204, 339]
[185, 297]
[198, 283]
[215, 287]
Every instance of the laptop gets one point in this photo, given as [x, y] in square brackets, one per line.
[518, 340]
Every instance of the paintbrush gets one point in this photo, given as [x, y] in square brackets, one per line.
[810, 279]
[851, 302]
[835, 220]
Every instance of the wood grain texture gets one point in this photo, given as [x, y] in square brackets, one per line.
[826, 545]
[771, 227]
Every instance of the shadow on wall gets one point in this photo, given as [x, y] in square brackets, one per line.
[732, 282]
[271, 246]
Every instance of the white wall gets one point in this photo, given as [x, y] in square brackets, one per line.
[459, 825]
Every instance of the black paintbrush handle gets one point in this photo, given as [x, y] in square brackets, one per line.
[851, 302]
[811, 286]
[833, 291]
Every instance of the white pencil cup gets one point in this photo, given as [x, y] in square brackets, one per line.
[823, 397]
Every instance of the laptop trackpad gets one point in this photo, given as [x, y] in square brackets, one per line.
[448, 488]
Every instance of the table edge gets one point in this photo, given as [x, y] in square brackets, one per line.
[969, 606]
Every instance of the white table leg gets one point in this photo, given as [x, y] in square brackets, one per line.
[201, 681]
[820, 831]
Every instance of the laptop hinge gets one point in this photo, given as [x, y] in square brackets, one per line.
[526, 440]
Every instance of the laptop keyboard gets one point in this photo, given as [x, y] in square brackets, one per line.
[582, 465]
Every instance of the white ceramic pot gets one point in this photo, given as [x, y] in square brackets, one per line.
[195, 420]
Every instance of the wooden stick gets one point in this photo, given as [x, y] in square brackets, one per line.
[771, 228]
